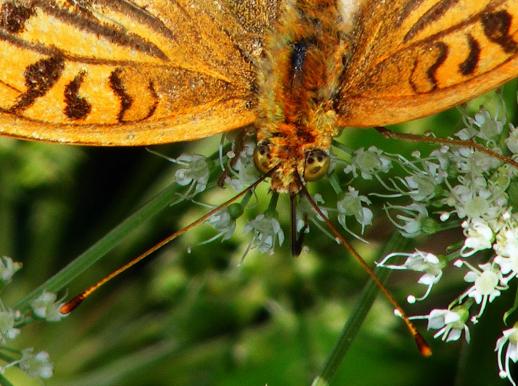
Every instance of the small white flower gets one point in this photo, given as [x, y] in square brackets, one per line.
[411, 219]
[8, 267]
[418, 261]
[351, 204]
[46, 307]
[489, 127]
[508, 266]
[224, 223]
[305, 210]
[506, 247]
[510, 338]
[450, 323]
[368, 163]
[421, 187]
[437, 165]
[474, 197]
[8, 319]
[243, 172]
[475, 163]
[267, 233]
[499, 182]
[193, 170]
[470, 202]
[425, 176]
[486, 284]
[482, 125]
[36, 365]
[507, 242]
[479, 236]
[466, 133]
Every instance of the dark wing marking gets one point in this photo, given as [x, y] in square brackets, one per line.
[39, 78]
[441, 58]
[118, 88]
[497, 27]
[13, 17]
[76, 107]
[433, 14]
[469, 65]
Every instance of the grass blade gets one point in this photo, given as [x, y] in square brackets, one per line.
[360, 311]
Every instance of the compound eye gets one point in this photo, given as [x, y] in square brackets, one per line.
[262, 156]
[316, 165]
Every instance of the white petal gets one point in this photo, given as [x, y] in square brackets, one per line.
[451, 317]
[454, 334]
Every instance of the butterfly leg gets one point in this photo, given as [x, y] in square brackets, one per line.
[238, 148]
[387, 133]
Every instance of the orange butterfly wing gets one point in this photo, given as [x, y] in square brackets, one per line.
[143, 72]
[128, 72]
[413, 58]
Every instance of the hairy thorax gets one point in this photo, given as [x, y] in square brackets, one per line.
[298, 83]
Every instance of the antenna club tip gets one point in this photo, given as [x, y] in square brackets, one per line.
[71, 305]
[425, 351]
[424, 348]
[65, 309]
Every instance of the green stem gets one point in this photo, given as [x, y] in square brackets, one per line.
[273, 203]
[360, 311]
[4, 381]
[346, 149]
[102, 247]
[246, 199]
[6, 358]
[335, 184]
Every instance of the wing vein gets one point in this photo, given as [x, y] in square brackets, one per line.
[140, 14]
[113, 35]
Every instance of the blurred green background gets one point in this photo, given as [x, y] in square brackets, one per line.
[201, 318]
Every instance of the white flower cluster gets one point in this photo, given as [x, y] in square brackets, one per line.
[461, 186]
[44, 307]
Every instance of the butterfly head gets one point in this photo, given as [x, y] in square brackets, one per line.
[312, 163]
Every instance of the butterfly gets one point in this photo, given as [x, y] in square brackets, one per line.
[131, 73]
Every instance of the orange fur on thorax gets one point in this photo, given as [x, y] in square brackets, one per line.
[296, 106]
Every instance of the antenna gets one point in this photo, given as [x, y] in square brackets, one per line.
[445, 141]
[78, 299]
[421, 343]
